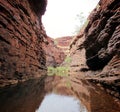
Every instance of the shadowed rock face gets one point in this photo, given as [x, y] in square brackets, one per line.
[21, 38]
[102, 44]
[102, 34]
[54, 55]
[39, 6]
[98, 47]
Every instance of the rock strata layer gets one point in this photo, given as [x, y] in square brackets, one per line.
[63, 43]
[21, 36]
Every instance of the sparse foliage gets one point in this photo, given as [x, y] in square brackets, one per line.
[80, 20]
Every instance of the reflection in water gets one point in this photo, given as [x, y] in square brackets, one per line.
[23, 97]
[59, 103]
[27, 97]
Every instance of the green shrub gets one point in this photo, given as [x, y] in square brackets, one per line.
[59, 71]
[68, 59]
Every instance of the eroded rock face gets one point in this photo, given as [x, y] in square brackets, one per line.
[102, 46]
[102, 34]
[77, 53]
[54, 55]
[102, 43]
[21, 38]
[63, 43]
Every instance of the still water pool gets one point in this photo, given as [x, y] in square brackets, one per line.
[54, 95]
[31, 96]
[60, 103]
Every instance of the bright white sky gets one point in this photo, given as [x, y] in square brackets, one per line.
[59, 19]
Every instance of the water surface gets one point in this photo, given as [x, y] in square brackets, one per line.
[60, 103]
[54, 95]
[31, 96]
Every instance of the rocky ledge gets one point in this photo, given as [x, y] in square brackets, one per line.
[97, 48]
[21, 36]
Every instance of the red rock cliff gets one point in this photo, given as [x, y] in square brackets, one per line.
[63, 43]
[21, 38]
[99, 47]
[54, 55]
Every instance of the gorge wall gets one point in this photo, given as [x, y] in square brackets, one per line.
[54, 55]
[97, 47]
[63, 43]
[21, 36]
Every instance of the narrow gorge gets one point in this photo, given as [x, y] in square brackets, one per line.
[27, 55]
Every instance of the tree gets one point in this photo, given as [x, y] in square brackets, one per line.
[80, 20]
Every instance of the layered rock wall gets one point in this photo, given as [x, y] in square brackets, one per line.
[101, 46]
[54, 55]
[102, 34]
[21, 38]
[63, 43]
